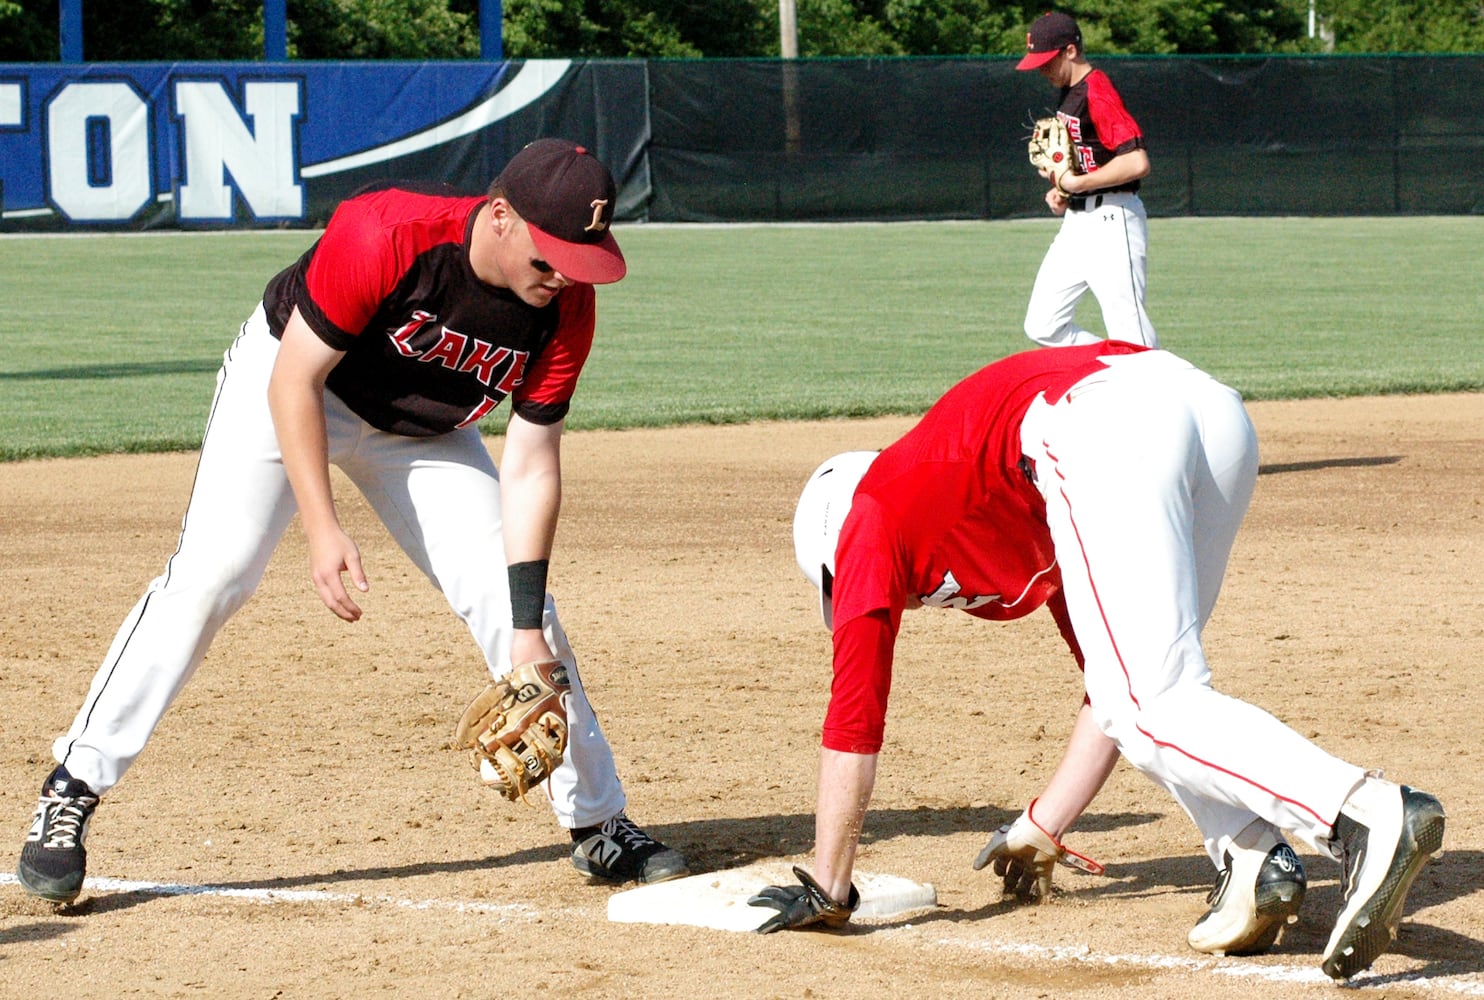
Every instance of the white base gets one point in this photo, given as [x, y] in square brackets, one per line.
[719, 899]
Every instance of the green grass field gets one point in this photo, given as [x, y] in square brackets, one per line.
[111, 342]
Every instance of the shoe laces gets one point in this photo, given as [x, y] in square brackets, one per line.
[629, 836]
[1221, 880]
[66, 816]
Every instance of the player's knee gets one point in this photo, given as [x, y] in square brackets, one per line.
[1134, 725]
[210, 591]
[1045, 332]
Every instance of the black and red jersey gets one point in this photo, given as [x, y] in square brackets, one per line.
[429, 347]
[1100, 126]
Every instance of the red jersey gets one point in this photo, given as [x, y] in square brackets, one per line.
[429, 347]
[950, 515]
[1100, 126]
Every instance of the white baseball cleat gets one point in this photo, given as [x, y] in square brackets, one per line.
[1385, 833]
[1258, 891]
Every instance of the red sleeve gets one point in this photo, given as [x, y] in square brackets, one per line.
[856, 718]
[1116, 128]
[552, 380]
[867, 605]
[353, 269]
[1057, 605]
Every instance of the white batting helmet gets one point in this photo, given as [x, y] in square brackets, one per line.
[821, 511]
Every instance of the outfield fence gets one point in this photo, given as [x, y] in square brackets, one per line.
[221, 145]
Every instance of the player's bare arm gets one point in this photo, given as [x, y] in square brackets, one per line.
[826, 898]
[1122, 169]
[1084, 768]
[846, 781]
[531, 499]
[296, 399]
[1025, 852]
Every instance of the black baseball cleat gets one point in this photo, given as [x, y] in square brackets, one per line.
[619, 851]
[1385, 833]
[1256, 894]
[53, 859]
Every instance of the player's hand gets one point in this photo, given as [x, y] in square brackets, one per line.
[1056, 201]
[329, 556]
[803, 904]
[1024, 855]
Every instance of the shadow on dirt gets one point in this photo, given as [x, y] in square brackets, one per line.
[1447, 953]
[717, 844]
[1326, 463]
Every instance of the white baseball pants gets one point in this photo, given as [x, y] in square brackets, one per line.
[1147, 469]
[439, 498]
[1102, 250]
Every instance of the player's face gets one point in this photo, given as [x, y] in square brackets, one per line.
[1058, 72]
[512, 261]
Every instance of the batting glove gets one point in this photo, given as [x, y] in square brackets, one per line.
[1024, 854]
[803, 904]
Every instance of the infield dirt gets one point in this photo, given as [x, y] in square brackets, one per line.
[309, 756]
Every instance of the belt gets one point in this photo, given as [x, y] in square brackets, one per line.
[1088, 202]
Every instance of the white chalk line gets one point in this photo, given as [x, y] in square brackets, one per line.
[1462, 985]
[513, 910]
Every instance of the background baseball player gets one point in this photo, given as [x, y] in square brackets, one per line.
[407, 322]
[1104, 234]
[1106, 482]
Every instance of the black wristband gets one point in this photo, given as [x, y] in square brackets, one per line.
[528, 593]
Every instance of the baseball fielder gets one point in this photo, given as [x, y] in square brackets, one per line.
[1104, 235]
[380, 349]
[1107, 483]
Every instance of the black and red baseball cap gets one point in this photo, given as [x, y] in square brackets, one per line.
[1049, 34]
[566, 197]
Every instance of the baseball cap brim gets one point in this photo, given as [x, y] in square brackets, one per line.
[1035, 60]
[599, 263]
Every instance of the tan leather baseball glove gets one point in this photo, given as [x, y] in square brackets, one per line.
[516, 729]
[1050, 148]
